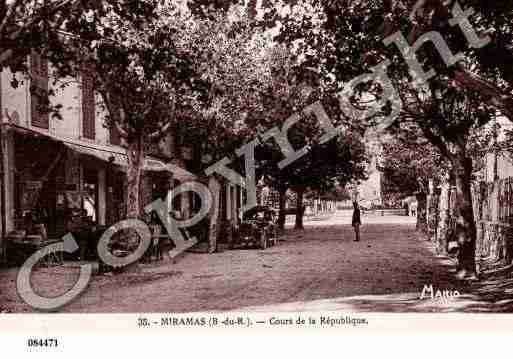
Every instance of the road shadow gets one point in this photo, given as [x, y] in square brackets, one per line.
[492, 293]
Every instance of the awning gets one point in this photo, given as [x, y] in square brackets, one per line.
[116, 156]
[181, 174]
[151, 164]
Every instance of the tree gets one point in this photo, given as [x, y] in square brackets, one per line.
[37, 26]
[408, 166]
[253, 86]
[339, 192]
[458, 124]
[360, 28]
[495, 23]
[437, 104]
[286, 94]
[339, 161]
[25, 24]
[297, 85]
[322, 169]
[230, 55]
[131, 55]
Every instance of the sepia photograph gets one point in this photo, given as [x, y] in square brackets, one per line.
[301, 163]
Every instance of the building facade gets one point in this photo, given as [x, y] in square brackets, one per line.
[69, 170]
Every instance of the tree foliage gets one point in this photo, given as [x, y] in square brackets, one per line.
[407, 168]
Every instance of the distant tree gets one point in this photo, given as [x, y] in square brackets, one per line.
[337, 193]
[339, 161]
[408, 167]
[323, 169]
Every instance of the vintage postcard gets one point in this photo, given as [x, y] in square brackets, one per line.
[255, 166]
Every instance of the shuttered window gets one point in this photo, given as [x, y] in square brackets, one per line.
[115, 138]
[39, 91]
[88, 105]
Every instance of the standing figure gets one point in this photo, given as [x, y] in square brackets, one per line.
[356, 221]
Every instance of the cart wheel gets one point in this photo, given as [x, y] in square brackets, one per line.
[263, 240]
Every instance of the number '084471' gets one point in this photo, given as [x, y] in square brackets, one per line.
[42, 343]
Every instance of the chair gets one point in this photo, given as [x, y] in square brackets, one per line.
[54, 258]
[154, 249]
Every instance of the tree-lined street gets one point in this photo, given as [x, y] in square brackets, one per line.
[298, 107]
[318, 269]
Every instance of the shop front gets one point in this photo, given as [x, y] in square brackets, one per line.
[55, 187]
[43, 193]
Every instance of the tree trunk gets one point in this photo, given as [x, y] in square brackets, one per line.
[421, 212]
[465, 223]
[432, 213]
[443, 224]
[135, 151]
[215, 217]
[299, 209]
[282, 215]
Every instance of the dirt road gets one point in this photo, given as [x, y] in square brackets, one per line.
[320, 263]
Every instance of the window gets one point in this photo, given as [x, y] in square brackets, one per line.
[39, 91]
[88, 105]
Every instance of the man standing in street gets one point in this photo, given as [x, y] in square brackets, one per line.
[356, 222]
